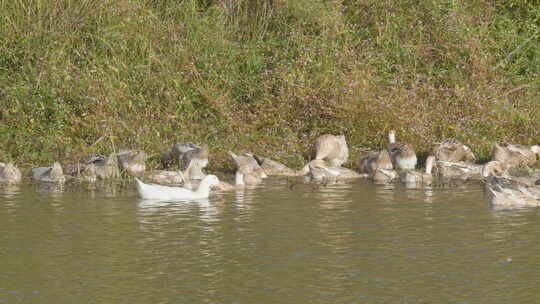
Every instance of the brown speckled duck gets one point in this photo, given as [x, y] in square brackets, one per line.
[515, 155]
[416, 177]
[272, 167]
[452, 150]
[9, 174]
[332, 148]
[402, 153]
[53, 174]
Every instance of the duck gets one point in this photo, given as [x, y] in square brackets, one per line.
[526, 176]
[105, 167]
[493, 168]
[193, 161]
[416, 177]
[168, 193]
[515, 155]
[450, 149]
[272, 167]
[377, 166]
[9, 174]
[383, 176]
[332, 148]
[88, 174]
[402, 153]
[509, 193]
[52, 174]
[458, 170]
[166, 177]
[369, 162]
[132, 161]
[319, 170]
[248, 166]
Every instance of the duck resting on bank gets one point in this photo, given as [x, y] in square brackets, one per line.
[378, 166]
[52, 174]
[251, 172]
[9, 174]
[132, 161]
[515, 155]
[105, 167]
[416, 177]
[401, 153]
[332, 148]
[452, 150]
[167, 193]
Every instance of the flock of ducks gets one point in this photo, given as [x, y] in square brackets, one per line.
[507, 177]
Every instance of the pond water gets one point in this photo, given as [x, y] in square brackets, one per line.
[281, 242]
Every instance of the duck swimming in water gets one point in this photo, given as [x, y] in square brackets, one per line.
[272, 167]
[509, 193]
[167, 193]
[9, 174]
[249, 168]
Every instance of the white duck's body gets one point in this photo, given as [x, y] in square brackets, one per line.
[159, 192]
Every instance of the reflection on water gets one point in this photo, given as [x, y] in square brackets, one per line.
[285, 241]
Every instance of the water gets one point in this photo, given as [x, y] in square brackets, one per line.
[279, 243]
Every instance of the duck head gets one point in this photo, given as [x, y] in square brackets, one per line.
[536, 150]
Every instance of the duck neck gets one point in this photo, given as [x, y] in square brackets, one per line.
[239, 178]
[429, 164]
[392, 137]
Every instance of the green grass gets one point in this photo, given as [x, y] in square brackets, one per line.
[264, 76]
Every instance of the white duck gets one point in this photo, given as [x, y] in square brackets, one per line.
[158, 192]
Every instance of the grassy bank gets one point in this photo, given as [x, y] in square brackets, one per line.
[264, 76]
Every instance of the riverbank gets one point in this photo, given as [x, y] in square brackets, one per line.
[266, 77]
